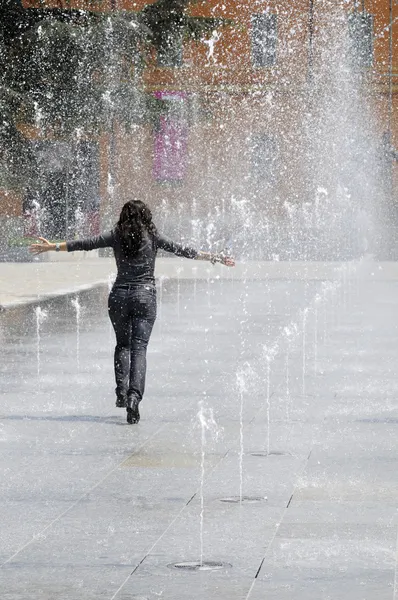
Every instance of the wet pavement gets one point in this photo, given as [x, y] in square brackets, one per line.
[57, 274]
[303, 391]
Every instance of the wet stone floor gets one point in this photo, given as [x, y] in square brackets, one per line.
[254, 390]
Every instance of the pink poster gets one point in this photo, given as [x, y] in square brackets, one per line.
[171, 137]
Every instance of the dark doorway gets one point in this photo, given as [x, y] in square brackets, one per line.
[68, 191]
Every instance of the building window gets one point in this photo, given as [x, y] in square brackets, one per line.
[171, 139]
[264, 39]
[360, 27]
[170, 50]
[69, 191]
[264, 156]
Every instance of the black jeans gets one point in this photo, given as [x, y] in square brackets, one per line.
[132, 310]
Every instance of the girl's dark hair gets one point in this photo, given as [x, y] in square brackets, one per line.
[135, 217]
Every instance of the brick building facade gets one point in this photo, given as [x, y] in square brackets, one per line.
[232, 105]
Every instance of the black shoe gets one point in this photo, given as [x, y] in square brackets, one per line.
[121, 402]
[133, 414]
[121, 398]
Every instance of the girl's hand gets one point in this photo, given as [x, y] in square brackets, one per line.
[45, 246]
[228, 261]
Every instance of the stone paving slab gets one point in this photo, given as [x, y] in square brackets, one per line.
[325, 584]
[170, 584]
[371, 513]
[45, 582]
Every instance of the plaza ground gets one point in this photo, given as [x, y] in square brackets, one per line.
[298, 360]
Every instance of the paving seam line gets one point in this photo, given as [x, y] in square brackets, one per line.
[94, 487]
[278, 525]
[284, 513]
[148, 552]
[34, 539]
[285, 509]
[214, 467]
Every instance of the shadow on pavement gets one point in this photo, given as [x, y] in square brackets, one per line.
[67, 418]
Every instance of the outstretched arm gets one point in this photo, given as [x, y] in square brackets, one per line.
[46, 246]
[228, 261]
[100, 241]
[189, 252]
[174, 248]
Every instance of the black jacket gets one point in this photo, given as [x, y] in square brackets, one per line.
[133, 269]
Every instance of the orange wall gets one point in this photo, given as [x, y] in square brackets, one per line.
[10, 204]
[233, 50]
